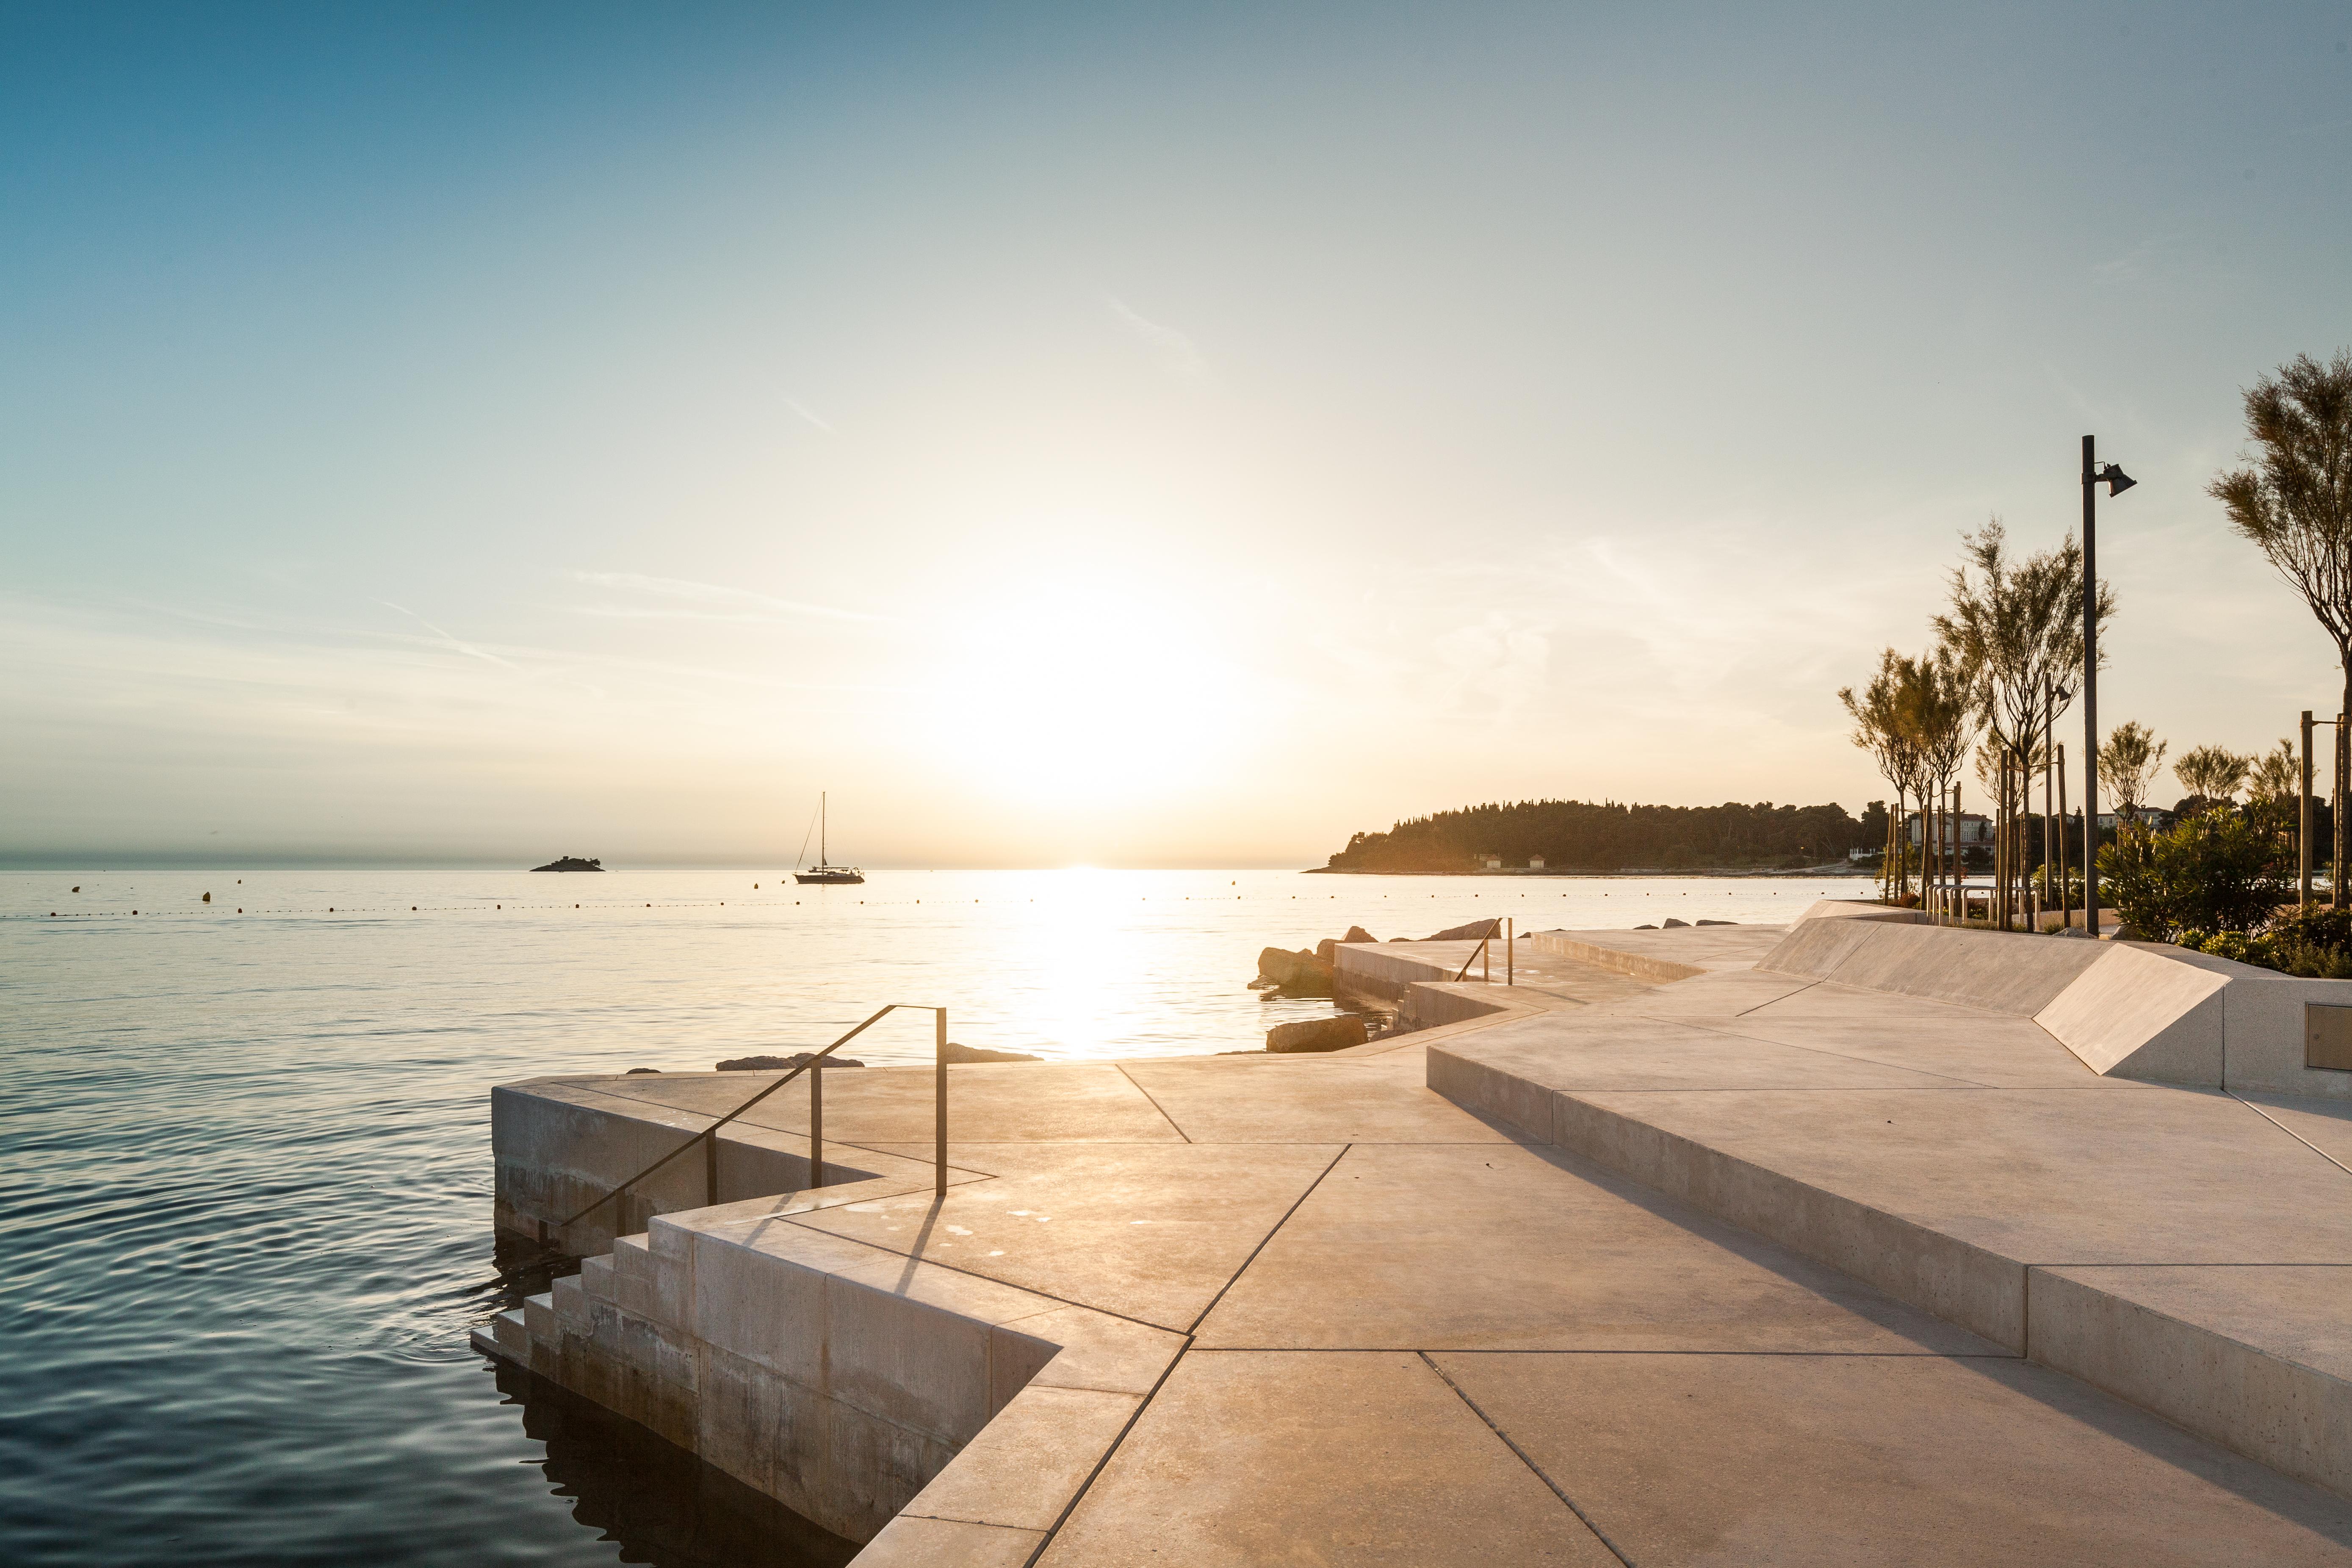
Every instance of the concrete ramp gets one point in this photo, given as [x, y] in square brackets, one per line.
[2000, 972]
[2135, 1010]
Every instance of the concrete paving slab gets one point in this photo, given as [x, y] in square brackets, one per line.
[1383, 1099]
[2057, 1176]
[1473, 1247]
[1029, 1461]
[1282, 1458]
[1872, 1460]
[1618, 1052]
[1995, 1049]
[908, 1541]
[1726, 993]
[986, 1102]
[1148, 1231]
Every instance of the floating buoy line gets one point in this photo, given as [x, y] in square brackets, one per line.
[205, 908]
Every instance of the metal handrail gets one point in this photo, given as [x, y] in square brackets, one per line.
[1488, 974]
[709, 1136]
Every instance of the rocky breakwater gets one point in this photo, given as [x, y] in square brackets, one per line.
[1309, 972]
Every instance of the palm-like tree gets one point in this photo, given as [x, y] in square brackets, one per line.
[1879, 728]
[2128, 764]
[2295, 502]
[2214, 774]
[2015, 624]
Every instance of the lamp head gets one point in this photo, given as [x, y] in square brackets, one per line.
[2117, 480]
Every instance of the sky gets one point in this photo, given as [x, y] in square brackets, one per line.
[1148, 436]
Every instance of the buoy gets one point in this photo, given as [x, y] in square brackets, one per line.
[77, 887]
[208, 898]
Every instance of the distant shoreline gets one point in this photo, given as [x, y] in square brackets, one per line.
[1833, 869]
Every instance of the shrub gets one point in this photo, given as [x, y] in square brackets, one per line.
[2216, 872]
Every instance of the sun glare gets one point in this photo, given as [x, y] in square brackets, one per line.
[1064, 689]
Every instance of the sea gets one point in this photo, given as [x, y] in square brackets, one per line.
[244, 1134]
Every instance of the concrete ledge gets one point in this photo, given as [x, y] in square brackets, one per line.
[2255, 1358]
[1961, 1283]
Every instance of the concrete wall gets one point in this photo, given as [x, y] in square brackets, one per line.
[844, 1381]
[558, 1147]
[943, 1418]
[2137, 1010]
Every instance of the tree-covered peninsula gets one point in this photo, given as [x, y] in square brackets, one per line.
[1605, 836]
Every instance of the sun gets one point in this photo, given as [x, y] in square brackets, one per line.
[1066, 688]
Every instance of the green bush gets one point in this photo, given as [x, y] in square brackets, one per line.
[2214, 872]
[2315, 942]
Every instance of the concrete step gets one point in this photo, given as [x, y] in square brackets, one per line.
[634, 1256]
[2257, 1358]
[569, 1299]
[539, 1317]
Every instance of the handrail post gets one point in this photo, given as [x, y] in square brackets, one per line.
[1487, 957]
[1510, 949]
[816, 1124]
[939, 1111]
[711, 1165]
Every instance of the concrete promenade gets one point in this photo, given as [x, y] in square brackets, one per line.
[1746, 1266]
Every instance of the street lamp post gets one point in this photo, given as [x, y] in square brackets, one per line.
[2117, 482]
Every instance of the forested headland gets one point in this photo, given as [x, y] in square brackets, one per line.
[1606, 835]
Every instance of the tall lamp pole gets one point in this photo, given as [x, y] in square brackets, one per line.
[2117, 482]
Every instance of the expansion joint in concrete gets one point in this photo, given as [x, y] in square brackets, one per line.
[1537, 1470]
[1107, 1454]
[1155, 1103]
[1273, 1231]
[2290, 1132]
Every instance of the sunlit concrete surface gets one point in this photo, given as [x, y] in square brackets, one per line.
[1749, 1266]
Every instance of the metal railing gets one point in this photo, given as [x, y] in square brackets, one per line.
[709, 1136]
[1486, 969]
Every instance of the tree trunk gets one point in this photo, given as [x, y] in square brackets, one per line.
[2336, 890]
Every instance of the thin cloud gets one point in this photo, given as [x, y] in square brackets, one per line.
[450, 641]
[812, 418]
[721, 604]
[1178, 353]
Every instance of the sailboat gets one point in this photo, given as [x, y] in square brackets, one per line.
[822, 871]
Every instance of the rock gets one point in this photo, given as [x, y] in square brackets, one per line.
[1718, 922]
[1470, 932]
[957, 1052]
[1297, 974]
[1318, 1034]
[1358, 933]
[1326, 950]
[570, 863]
[1670, 923]
[1262, 984]
[782, 1064]
[1646, 928]
[634, 1071]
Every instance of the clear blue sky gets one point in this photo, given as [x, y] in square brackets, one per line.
[1146, 435]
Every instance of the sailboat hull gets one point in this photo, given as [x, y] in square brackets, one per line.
[828, 876]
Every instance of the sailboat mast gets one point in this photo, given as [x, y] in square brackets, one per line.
[822, 858]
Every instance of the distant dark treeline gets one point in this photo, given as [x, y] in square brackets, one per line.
[1582, 835]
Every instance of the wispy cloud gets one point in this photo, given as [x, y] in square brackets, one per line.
[812, 418]
[448, 640]
[690, 601]
[1178, 353]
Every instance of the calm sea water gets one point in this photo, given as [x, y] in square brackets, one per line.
[247, 1166]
